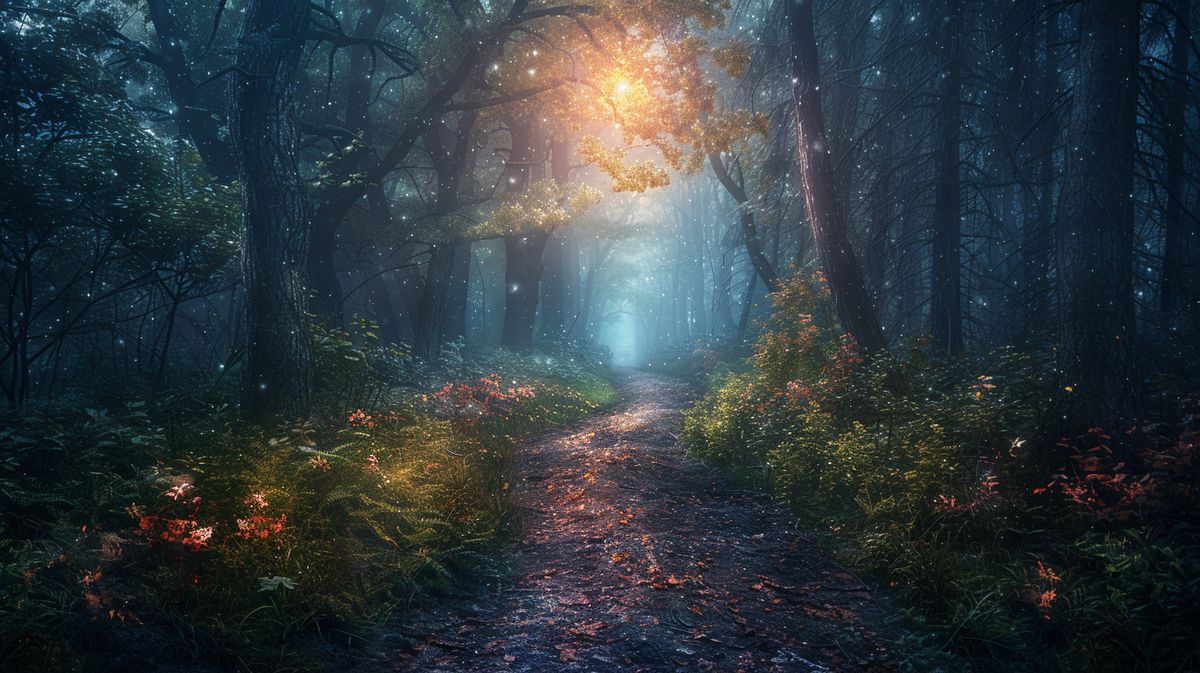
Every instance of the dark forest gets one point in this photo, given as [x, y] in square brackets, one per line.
[826, 336]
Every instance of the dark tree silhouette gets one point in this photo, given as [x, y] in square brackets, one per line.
[837, 257]
[1095, 230]
[945, 314]
[277, 374]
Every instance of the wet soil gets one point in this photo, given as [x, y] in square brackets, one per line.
[630, 556]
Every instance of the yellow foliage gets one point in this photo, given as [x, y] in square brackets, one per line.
[633, 66]
[733, 58]
[544, 205]
[720, 134]
[635, 177]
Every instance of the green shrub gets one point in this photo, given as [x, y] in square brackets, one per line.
[931, 475]
[172, 532]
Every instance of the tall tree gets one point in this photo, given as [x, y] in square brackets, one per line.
[1037, 245]
[522, 248]
[451, 163]
[1095, 232]
[326, 289]
[1174, 143]
[945, 314]
[554, 280]
[850, 294]
[754, 248]
[277, 371]
[195, 119]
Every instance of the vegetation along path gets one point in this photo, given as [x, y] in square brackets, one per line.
[633, 557]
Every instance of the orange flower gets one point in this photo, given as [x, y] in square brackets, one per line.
[1047, 573]
[1046, 599]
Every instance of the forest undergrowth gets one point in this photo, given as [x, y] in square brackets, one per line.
[1005, 546]
[167, 530]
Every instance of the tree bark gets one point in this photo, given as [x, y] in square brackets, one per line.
[945, 306]
[277, 374]
[455, 325]
[522, 275]
[754, 248]
[431, 307]
[850, 295]
[328, 302]
[554, 280]
[523, 250]
[553, 288]
[194, 120]
[1095, 233]
[1037, 236]
[1175, 140]
[451, 166]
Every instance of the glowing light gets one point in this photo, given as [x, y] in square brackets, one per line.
[621, 87]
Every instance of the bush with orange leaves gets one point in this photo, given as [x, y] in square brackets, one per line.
[1151, 472]
[466, 403]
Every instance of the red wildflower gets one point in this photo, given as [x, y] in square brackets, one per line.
[259, 526]
[1046, 600]
[360, 419]
[1047, 573]
[466, 403]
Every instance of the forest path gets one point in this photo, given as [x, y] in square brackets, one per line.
[633, 557]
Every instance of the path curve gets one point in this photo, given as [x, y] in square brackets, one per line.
[633, 557]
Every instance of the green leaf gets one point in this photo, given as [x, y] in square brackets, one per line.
[275, 583]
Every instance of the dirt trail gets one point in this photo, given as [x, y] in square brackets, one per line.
[632, 557]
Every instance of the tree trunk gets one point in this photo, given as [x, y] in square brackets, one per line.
[327, 301]
[881, 221]
[195, 121]
[277, 373]
[945, 306]
[1095, 236]
[582, 325]
[523, 250]
[554, 288]
[522, 275]
[431, 308]
[1037, 238]
[693, 236]
[450, 164]
[747, 304]
[851, 298]
[754, 248]
[455, 323]
[379, 298]
[1174, 142]
[722, 312]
